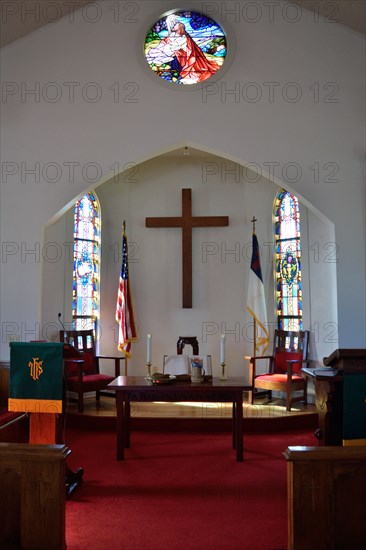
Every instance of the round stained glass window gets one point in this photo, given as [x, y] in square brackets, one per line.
[185, 47]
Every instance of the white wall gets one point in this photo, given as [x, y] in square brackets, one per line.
[322, 131]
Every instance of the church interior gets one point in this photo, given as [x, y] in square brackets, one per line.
[82, 112]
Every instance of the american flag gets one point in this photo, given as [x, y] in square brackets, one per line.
[256, 300]
[124, 310]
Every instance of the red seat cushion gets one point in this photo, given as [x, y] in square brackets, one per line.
[281, 358]
[91, 382]
[276, 378]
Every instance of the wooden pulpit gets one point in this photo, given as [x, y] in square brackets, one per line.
[340, 390]
[47, 428]
[37, 387]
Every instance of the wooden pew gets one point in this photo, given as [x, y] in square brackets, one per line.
[326, 497]
[33, 509]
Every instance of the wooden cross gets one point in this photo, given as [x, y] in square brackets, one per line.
[186, 221]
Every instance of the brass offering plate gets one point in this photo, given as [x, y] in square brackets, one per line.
[161, 379]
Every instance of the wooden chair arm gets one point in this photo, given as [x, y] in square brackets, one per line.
[251, 374]
[119, 357]
[291, 362]
[252, 365]
[117, 362]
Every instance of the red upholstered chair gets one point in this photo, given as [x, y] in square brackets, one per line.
[290, 354]
[82, 374]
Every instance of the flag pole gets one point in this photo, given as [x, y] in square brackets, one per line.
[254, 338]
[253, 220]
[123, 235]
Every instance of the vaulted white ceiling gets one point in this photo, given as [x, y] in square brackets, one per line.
[20, 17]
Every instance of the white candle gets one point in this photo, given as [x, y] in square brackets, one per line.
[222, 348]
[148, 349]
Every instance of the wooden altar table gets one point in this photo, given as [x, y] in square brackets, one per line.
[137, 388]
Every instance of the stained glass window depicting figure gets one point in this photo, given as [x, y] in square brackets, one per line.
[288, 261]
[85, 304]
[185, 47]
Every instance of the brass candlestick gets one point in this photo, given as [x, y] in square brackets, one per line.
[148, 364]
[223, 376]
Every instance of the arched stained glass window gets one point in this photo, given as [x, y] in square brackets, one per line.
[288, 262]
[85, 304]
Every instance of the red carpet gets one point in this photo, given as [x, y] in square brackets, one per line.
[179, 491]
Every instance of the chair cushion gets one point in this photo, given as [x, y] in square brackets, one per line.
[91, 382]
[281, 358]
[281, 378]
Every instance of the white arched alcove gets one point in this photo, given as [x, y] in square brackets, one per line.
[221, 257]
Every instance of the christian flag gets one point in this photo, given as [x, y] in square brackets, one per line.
[256, 304]
[36, 377]
[124, 310]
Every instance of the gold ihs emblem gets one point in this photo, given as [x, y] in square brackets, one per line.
[35, 368]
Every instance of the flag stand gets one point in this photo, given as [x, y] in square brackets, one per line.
[253, 220]
[254, 337]
[256, 392]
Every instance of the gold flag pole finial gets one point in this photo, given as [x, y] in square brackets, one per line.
[253, 220]
[124, 227]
